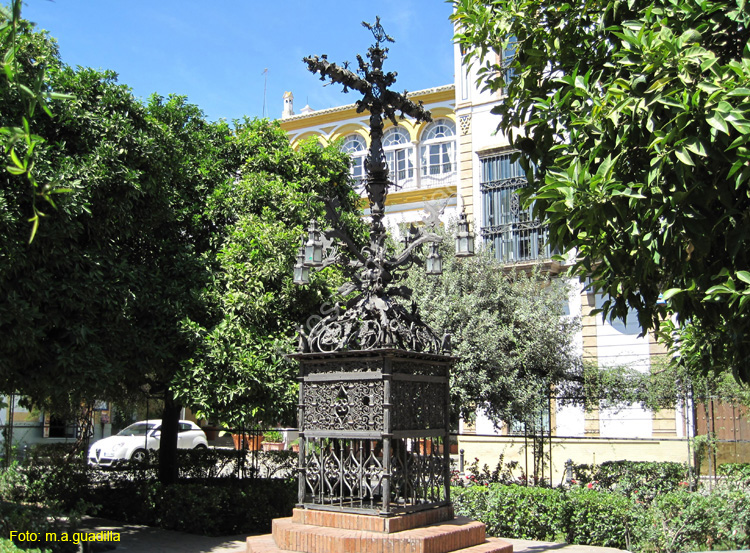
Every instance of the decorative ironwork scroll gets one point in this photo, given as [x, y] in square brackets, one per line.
[350, 474]
[344, 405]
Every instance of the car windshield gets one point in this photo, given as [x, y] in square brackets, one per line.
[137, 429]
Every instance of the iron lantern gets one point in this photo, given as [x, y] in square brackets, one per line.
[313, 246]
[464, 238]
[301, 271]
[434, 262]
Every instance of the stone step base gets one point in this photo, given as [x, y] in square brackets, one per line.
[265, 544]
[460, 534]
[372, 523]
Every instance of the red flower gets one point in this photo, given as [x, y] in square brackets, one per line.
[590, 485]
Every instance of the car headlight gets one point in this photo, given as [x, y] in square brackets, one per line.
[112, 449]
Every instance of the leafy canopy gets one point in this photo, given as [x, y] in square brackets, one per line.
[509, 332]
[240, 374]
[633, 121]
[174, 242]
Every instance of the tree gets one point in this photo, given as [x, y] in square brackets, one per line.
[632, 119]
[94, 310]
[513, 343]
[240, 375]
[175, 241]
[23, 87]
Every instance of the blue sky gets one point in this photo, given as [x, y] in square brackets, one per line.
[215, 52]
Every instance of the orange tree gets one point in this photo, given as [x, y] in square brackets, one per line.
[632, 119]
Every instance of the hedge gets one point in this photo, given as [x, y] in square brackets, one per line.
[674, 521]
[213, 508]
[521, 512]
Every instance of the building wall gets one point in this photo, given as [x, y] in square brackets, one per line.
[580, 450]
[406, 205]
[33, 427]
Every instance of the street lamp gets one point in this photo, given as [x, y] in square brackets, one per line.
[313, 246]
[434, 261]
[301, 271]
[464, 238]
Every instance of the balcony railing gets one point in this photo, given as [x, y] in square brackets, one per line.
[519, 241]
[415, 182]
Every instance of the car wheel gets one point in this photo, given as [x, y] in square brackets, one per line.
[139, 456]
[200, 447]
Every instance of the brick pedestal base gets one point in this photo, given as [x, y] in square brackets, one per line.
[434, 531]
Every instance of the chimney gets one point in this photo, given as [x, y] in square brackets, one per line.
[288, 105]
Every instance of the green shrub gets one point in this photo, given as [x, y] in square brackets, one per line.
[7, 546]
[55, 475]
[692, 521]
[513, 511]
[471, 502]
[31, 518]
[597, 517]
[211, 463]
[642, 480]
[211, 507]
[13, 483]
[273, 436]
[504, 473]
[738, 471]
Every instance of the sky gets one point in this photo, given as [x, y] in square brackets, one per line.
[216, 52]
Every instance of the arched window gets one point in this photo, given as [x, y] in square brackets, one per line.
[399, 153]
[355, 146]
[438, 148]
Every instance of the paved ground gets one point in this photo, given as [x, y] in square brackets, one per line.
[144, 539]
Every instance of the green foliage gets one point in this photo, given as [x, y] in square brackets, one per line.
[222, 507]
[501, 474]
[23, 88]
[166, 266]
[7, 546]
[23, 517]
[596, 517]
[635, 117]
[51, 491]
[674, 521]
[273, 436]
[737, 471]
[513, 511]
[508, 331]
[240, 372]
[51, 475]
[92, 309]
[684, 521]
[641, 480]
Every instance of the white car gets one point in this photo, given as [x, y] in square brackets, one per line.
[134, 442]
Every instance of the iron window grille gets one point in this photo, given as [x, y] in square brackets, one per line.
[514, 234]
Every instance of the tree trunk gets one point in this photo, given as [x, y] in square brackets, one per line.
[168, 446]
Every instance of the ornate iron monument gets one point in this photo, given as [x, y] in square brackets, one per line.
[374, 378]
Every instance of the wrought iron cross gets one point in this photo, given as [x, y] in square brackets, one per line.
[381, 102]
[371, 319]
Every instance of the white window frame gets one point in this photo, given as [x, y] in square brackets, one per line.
[356, 147]
[399, 153]
[438, 149]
